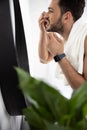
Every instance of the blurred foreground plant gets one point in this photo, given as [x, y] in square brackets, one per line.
[48, 109]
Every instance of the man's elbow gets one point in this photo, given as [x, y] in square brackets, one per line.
[79, 84]
[43, 61]
[85, 76]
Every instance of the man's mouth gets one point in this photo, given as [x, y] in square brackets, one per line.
[46, 23]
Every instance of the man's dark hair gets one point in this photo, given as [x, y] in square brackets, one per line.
[76, 7]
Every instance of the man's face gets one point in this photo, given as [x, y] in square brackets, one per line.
[54, 18]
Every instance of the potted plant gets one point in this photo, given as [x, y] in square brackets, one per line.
[48, 109]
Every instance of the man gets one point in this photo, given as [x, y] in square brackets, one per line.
[62, 17]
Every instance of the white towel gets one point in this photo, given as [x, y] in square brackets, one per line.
[74, 48]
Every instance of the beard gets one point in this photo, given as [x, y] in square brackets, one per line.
[56, 27]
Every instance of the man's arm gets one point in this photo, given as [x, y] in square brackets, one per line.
[44, 55]
[74, 78]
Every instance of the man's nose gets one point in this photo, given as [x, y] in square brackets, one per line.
[46, 16]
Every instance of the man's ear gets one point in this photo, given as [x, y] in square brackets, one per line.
[67, 17]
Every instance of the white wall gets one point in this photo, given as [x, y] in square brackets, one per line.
[31, 11]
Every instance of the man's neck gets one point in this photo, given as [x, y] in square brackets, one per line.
[67, 30]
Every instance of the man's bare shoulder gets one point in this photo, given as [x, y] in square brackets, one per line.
[85, 46]
[85, 60]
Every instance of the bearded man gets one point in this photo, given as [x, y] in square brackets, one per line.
[70, 50]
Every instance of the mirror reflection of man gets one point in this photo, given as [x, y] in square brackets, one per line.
[70, 50]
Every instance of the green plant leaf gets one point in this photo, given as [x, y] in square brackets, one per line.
[56, 126]
[49, 110]
[79, 97]
[81, 125]
[85, 111]
[33, 118]
[44, 95]
[78, 100]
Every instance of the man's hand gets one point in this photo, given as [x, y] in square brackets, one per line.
[44, 55]
[55, 44]
[43, 22]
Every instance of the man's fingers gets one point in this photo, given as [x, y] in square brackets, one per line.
[42, 15]
[58, 38]
[53, 37]
[45, 21]
[42, 26]
[41, 21]
[49, 35]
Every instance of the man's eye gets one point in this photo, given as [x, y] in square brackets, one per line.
[51, 11]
